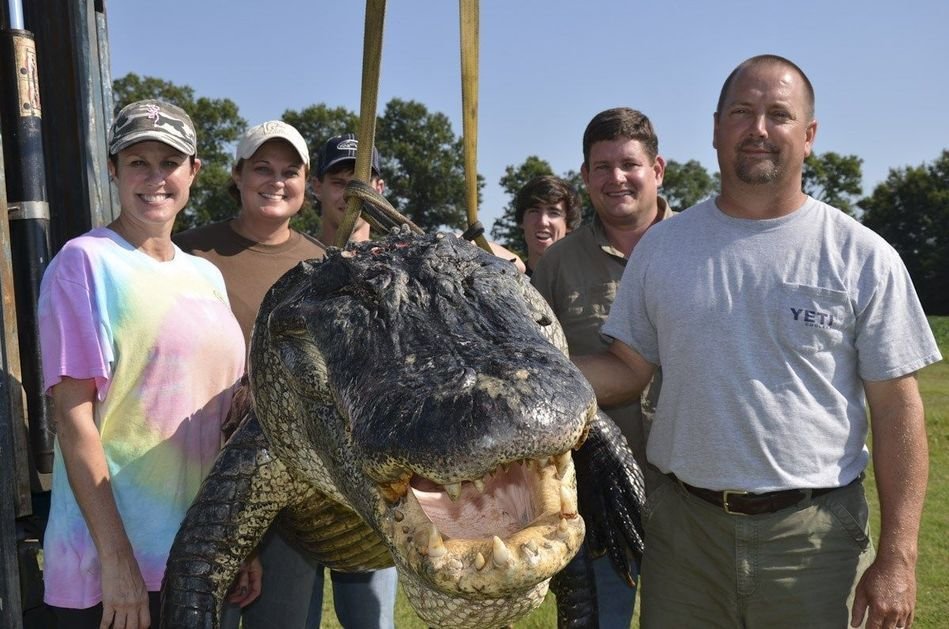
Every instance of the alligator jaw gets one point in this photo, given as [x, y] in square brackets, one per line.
[490, 537]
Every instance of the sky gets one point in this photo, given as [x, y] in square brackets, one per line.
[547, 67]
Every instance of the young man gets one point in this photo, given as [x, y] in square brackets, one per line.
[547, 208]
[776, 319]
[335, 169]
[579, 275]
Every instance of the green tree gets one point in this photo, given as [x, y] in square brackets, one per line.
[423, 165]
[575, 179]
[911, 211]
[422, 159]
[684, 185]
[834, 179]
[217, 126]
[317, 124]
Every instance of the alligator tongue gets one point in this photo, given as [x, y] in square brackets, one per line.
[502, 508]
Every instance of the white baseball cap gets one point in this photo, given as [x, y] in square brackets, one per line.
[254, 137]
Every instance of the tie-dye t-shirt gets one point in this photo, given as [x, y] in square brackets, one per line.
[165, 351]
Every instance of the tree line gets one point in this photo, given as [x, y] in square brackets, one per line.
[422, 164]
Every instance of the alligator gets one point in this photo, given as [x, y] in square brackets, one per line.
[413, 403]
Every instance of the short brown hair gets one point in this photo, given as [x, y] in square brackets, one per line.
[620, 122]
[548, 190]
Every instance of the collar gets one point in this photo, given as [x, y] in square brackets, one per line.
[663, 211]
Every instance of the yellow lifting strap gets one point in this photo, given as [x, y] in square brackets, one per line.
[371, 61]
[469, 108]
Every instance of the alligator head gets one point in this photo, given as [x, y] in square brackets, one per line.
[424, 383]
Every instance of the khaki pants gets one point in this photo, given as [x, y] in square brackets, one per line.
[797, 567]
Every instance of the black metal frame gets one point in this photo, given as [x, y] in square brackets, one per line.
[54, 178]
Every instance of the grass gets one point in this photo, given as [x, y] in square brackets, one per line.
[932, 574]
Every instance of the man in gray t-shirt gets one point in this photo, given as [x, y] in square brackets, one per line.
[776, 319]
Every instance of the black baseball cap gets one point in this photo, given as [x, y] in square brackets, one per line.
[342, 148]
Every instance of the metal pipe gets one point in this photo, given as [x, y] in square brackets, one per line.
[15, 8]
[29, 221]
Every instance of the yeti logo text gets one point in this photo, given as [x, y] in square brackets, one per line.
[813, 318]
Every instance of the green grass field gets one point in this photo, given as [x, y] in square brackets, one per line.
[933, 575]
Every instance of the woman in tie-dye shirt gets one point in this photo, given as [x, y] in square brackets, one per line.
[140, 354]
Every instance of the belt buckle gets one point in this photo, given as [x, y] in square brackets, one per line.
[732, 492]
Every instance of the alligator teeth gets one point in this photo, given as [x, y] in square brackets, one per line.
[568, 502]
[529, 548]
[500, 554]
[453, 490]
[394, 491]
[398, 515]
[436, 547]
[563, 529]
[542, 463]
[479, 561]
[479, 485]
[564, 463]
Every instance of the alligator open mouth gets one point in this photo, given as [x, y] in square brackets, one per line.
[469, 537]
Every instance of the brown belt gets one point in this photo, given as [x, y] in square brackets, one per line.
[747, 503]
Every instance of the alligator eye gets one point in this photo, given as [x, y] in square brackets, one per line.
[286, 321]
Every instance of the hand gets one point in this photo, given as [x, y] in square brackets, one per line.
[124, 596]
[247, 584]
[888, 591]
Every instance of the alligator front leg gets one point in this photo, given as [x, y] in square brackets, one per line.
[612, 495]
[235, 506]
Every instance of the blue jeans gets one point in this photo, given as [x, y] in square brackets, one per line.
[292, 594]
[615, 600]
[362, 600]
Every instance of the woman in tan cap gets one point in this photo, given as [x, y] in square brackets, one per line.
[141, 355]
[257, 246]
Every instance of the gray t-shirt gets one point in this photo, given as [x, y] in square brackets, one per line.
[765, 331]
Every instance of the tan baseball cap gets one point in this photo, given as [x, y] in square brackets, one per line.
[254, 138]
